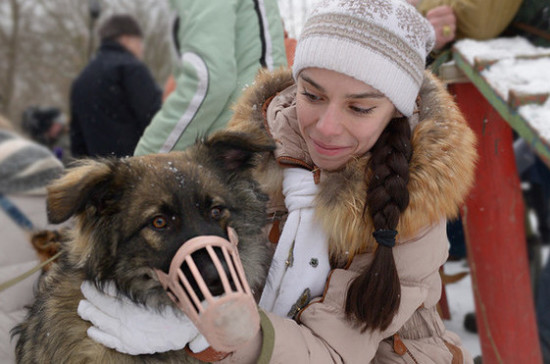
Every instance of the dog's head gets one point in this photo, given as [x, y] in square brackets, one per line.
[133, 214]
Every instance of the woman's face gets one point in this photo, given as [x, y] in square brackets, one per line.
[339, 117]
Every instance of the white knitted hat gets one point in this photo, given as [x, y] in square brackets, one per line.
[383, 43]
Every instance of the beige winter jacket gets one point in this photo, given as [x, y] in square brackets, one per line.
[441, 173]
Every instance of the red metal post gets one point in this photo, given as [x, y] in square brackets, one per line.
[496, 242]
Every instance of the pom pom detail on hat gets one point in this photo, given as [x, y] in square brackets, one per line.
[383, 43]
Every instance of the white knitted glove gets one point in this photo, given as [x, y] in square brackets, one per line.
[120, 324]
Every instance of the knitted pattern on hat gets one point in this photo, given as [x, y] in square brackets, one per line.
[25, 165]
[383, 43]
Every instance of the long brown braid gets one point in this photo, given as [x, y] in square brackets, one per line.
[373, 297]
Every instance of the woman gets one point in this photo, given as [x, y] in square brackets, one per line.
[372, 157]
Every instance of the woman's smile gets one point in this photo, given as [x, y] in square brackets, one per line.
[328, 149]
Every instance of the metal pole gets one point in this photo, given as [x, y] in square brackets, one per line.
[496, 241]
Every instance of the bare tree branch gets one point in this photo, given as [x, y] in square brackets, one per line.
[12, 41]
[44, 46]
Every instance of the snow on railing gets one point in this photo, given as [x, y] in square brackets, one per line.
[518, 71]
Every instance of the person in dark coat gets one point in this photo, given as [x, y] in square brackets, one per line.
[115, 96]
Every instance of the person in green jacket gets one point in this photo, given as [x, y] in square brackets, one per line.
[221, 46]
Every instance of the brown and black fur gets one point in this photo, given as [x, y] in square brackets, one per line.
[114, 201]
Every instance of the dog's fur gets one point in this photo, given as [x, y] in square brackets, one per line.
[114, 202]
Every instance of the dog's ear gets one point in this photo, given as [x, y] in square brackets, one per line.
[69, 195]
[235, 151]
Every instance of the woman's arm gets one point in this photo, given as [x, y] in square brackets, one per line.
[323, 333]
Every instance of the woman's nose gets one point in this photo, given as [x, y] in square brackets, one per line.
[330, 122]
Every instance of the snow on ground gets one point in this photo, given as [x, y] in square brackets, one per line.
[460, 298]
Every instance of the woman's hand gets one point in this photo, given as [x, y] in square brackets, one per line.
[121, 324]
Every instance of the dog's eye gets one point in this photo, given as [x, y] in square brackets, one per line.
[216, 213]
[160, 222]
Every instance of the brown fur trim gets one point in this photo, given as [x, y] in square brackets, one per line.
[249, 109]
[249, 117]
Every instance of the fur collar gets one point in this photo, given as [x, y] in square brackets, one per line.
[441, 169]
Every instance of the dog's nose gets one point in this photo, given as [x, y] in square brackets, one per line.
[209, 273]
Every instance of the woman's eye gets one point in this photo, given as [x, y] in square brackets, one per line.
[160, 222]
[216, 213]
[361, 110]
[310, 96]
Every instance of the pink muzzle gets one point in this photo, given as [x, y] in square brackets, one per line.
[227, 321]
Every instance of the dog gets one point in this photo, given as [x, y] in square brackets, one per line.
[131, 215]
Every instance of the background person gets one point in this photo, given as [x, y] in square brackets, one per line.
[443, 19]
[221, 45]
[115, 96]
[48, 126]
[480, 19]
[368, 180]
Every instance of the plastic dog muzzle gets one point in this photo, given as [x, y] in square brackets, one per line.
[226, 321]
